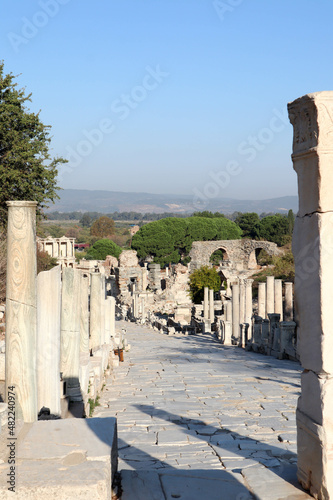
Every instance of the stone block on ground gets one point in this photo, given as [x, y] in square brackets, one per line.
[65, 459]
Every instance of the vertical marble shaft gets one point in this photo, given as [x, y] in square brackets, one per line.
[235, 312]
[241, 301]
[262, 300]
[70, 330]
[278, 298]
[248, 307]
[206, 300]
[311, 117]
[270, 295]
[84, 313]
[21, 309]
[288, 302]
[228, 310]
[48, 339]
[113, 317]
[107, 319]
[211, 306]
[96, 295]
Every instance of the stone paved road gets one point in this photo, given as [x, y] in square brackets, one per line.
[197, 420]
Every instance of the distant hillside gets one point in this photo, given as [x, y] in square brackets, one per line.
[112, 201]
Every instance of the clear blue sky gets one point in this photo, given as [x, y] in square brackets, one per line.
[171, 96]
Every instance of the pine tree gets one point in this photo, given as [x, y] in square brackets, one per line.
[27, 171]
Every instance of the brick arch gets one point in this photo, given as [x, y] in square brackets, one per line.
[238, 252]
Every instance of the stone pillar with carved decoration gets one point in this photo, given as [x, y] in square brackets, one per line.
[312, 120]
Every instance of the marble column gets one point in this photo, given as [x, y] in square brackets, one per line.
[311, 117]
[235, 313]
[84, 313]
[288, 301]
[211, 306]
[48, 339]
[206, 303]
[21, 309]
[70, 332]
[278, 298]
[96, 294]
[248, 307]
[228, 310]
[262, 300]
[270, 295]
[113, 317]
[241, 301]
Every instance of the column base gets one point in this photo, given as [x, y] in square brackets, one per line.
[315, 457]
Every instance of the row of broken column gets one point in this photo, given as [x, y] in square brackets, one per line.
[59, 325]
[239, 326]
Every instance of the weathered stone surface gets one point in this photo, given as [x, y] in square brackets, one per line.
[236, 251]
[313, 253]
[48, 339]
[128, 258]
[21, 310]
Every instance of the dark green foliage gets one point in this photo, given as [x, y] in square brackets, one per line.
[250, 225]
[275, 228]
[44, 261]
[27, 171]
[205, 276]
[86, 220]
[170, 240]
[102, 248]
[217, 257]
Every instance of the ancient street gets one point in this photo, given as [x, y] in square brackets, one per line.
[200, 420]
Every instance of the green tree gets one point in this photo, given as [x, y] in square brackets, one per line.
[86, 220]
[291, 221]
[205, 276]
[27, 171]
[275, 228]
[170, 239]
[249, 224]
[102, 248]
[103, 227]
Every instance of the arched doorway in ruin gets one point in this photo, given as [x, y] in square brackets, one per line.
[255, 257]
[219, 257]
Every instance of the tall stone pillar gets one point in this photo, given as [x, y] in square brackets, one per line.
[21, 310]
[270, 295]
[241, 301]
[262, 300]
[84, 313]
[235, 312]
[113, 317]
[278, 298]
[206, 302]
[96, 296]
[311, 116]
[107, 320]
[248, 307]
[70, 332]
[288, 302]
[228, 310]
[48, 339]
[211, 306]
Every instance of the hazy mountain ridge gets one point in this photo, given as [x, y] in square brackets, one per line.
[84, 200]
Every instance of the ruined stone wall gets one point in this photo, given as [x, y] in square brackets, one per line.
[239, 253]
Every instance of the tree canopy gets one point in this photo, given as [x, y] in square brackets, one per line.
[102, 248]
[205, 276]
[27, 171]
[103, 227]
[170, 239]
